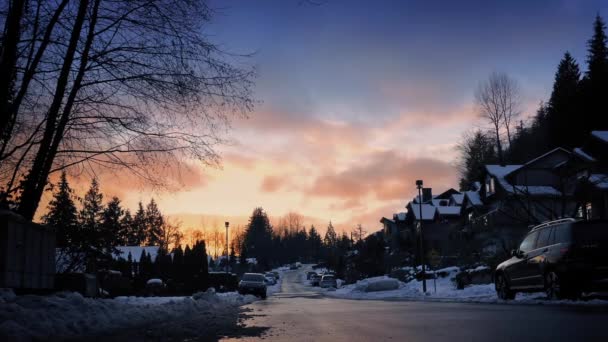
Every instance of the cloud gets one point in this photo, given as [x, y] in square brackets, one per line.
[387, 175]
[273, 183]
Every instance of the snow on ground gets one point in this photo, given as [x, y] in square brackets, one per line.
[444, 289]
[68, 314]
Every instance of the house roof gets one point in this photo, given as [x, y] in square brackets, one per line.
[446, 194]
[400, 216]
[602, 135]
[599, 180]
[449, 210]
[557, 149]
[384, 219]
[579, 152]
[123, 252]
[458, 198]
[428, 211]
[474, 198]
[501, 170]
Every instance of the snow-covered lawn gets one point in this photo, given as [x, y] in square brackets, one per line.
[442, 289]
[69, 314]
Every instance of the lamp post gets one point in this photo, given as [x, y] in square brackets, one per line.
[419, 186]
[227, 224]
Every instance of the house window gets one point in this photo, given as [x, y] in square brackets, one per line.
[588, 210]
[490, 186]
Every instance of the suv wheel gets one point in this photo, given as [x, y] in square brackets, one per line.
[502, 288]
[553, 286]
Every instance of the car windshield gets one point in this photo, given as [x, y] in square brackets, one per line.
[253, 277]
[328, 277]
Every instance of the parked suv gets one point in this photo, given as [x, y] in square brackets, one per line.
[563, 258]
[253, 283]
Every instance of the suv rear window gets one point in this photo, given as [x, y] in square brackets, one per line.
[563, 233]
[253, 277]
[544, 237]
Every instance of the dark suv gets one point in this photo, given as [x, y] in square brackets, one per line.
[563, 258]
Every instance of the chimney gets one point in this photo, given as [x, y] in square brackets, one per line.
[427, 194]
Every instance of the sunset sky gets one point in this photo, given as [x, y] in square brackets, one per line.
[358, 99]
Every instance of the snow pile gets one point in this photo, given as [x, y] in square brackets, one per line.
[444, 289]
[377, 284]
[68, 314]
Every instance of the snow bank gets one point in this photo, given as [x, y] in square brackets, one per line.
[377, 284]
[444, 289]
[68, 314]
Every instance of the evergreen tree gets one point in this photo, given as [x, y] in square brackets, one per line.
[61, 215]
[111, 223]
[563, 108]
[595, 83]
[90, 218]
[331, 238]
[178, 263]
[126, 225]
[154, 223]
[258, 238]
[314, 243]
[476, 151]
[137, 234]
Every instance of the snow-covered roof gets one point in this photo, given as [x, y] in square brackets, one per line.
[500, 170]
[533, 190]
[599, 180]
[400, 216]
[579, 152]
[384, 219]
[449, 210]
[557, 149]
[458, 198]
[123, 252]
[428, 211]
[602, 135]
[474, 198]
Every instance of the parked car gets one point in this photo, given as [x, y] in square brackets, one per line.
[155, 287]
[315, 280]
[293, 267]
[276, 274]
[253, 283]
[328, 281]
[310, 274]
[270, 279]
[563, 258]
[222, 281]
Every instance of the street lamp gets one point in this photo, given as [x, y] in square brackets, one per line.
[227, 224]
[419, 186]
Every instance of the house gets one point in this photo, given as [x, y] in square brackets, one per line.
[591, 176]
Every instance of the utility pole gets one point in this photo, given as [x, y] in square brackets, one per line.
[227, 224]
[419, 186]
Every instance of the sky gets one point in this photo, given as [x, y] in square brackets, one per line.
[358, 99]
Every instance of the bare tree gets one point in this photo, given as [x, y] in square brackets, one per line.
[115, 85]
[498, 101]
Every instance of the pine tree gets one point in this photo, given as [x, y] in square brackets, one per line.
[126, 225]
[563, 108]
[137, 234]
[90, 218]
[595, 83]
[476, 150]
[314, 243]
[62, 216]
[258, 238]
[111, 223]
[331, 238]
[154, 223]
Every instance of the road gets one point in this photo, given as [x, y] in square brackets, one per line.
[301, 313]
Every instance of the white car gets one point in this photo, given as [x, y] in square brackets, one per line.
[328, 281]
[270, 279]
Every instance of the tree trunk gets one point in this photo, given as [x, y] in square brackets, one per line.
[37, 177]
[13, 108]
[499, 147]
[8, 63]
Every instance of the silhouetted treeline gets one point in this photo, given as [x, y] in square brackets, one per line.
[578, 105]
